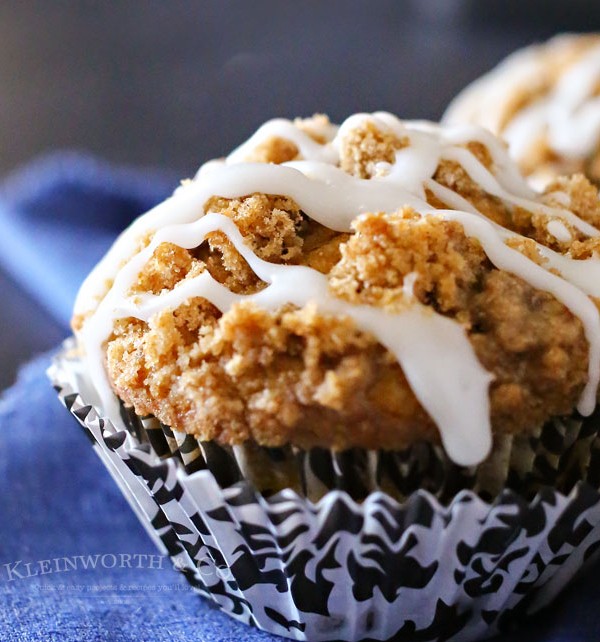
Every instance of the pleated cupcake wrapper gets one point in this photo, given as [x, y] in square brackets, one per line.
[557, 454]
[339, 569]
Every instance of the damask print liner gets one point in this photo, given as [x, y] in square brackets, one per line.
[339, 569]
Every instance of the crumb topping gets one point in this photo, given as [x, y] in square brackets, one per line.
[300, 376]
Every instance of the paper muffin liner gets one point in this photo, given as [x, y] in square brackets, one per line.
[340, 569]
[557, 454]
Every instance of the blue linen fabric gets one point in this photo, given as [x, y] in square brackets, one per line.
[75, 564]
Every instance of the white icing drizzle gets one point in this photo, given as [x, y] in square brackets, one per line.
[559, 231]
[567, 116]
[482, 176]
[282, 128]
[562, 198]
[434, 351]
[408, 286]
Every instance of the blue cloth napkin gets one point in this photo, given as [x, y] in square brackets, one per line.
[75, 564]
[60, 214]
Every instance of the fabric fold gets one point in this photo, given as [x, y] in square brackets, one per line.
[59, 215]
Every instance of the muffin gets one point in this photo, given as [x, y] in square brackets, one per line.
[544, 100]
[349, 367]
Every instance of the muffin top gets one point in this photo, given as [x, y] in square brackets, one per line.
[369, 285]
[545, 102]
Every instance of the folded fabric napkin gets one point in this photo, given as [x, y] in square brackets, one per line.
[75, 564]
[60, 214]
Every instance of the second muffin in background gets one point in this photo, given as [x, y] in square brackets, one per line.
[544, 100]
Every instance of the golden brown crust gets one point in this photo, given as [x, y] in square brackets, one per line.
[273, 150]
[299, 376]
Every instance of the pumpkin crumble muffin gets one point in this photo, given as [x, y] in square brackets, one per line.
[353, 287]
[348, 377]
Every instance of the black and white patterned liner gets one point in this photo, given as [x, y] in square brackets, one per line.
[340, 570]
[557, 454]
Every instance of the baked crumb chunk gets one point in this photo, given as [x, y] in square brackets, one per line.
[365, 146]
[274, 150]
